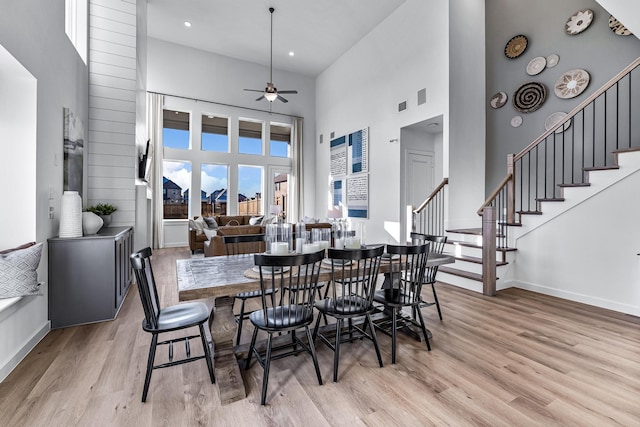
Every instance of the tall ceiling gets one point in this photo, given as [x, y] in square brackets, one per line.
[318, 32]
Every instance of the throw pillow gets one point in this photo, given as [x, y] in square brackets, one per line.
[268, 220]
[18, 276]
[200, 225]
[255, 220]
[210, 233]
[211, 222]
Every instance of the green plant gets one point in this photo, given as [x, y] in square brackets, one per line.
[102, 209]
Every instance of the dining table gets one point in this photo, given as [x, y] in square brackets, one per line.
[222, 277]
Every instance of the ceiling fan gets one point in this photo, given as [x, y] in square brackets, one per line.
[270, 93]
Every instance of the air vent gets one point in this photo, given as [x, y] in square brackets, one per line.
[402, 106]
[333, 135]
[321, 138]
[422, 96]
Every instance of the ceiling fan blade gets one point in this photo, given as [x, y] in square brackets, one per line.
[287, 91]
[260, 99]
[282, 98]
[254, 90]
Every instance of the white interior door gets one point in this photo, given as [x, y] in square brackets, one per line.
[419, 176]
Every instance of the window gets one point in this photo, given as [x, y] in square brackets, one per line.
[249, 137]
[215, 133]
[75, 25]
[176, 182]
[214, 182]
[249, 190]
[175, 129]
[280, 140]
[281, 191]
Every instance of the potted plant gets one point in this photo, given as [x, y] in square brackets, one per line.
[104, 211]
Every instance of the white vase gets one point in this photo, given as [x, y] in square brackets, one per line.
[71, 215]
[91, 223]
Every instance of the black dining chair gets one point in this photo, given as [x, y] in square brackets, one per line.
[159, 320]
[354, 274]
[278, 272]
[436, 246]
[406, 274]
[244, 244]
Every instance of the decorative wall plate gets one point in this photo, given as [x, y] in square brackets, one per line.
[554, 119]
[552, 60]
[617, 27]
[529, 97]
[536, 65]
[516, 46]
[516, 121]
[498, 100]
[571, 84]
[579, 22]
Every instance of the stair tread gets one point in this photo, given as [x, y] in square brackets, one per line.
[626, 150]
[600, 168]
[553, 199]
[473, 245]
[477, 260]
[461, 273]
[575, 184]
[529, 212]
[472, 231]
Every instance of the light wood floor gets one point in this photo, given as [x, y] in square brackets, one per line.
[517, 359]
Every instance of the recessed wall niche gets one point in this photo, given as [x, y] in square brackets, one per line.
[18, 106]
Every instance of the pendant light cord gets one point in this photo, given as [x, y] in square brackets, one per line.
[271, 53]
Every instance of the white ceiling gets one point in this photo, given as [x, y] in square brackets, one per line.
[319, 31]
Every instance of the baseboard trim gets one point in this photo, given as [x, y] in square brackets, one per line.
[584, 299]
[24, 350]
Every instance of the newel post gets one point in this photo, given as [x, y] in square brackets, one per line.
[511, 190]
[489, 251]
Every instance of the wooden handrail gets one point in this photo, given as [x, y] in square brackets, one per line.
[493, 195]
[431, 196]
[580, 107]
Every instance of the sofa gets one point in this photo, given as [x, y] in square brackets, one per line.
[197, 239]
[216, 247]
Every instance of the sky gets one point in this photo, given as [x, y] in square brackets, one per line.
[215, 177]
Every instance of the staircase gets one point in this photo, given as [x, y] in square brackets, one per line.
[553, 174]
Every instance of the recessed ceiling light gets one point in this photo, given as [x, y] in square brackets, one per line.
[187, 24]
[291, 53]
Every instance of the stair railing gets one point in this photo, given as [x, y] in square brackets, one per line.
[429, 217]
[586, 139]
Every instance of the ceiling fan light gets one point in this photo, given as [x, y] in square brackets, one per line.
[271, 96]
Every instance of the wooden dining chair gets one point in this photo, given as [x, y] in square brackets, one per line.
[278, 316]
[244, 244]
[406, 274]
[159, 320]
[354, 273]
[436, 246]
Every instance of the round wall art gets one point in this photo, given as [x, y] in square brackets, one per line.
[552, 60]
[571, 84]
[617, 27]
[516, 46]
[516, 121]
[536, 65]
[529, 97]
[579, 22]
[498, 100]
[554, 119]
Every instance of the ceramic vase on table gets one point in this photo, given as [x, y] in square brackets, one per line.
[91, 223]
[70, 215]
[106, 220]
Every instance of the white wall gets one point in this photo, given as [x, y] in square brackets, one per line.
[405, 53]
[177, 70]
[599, 264]
[33, 32]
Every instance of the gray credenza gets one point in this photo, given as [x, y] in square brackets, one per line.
[89, 276]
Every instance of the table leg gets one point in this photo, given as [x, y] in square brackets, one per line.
[227, 371]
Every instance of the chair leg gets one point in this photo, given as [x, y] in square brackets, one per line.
[152, 356]
[374, 338]
[251, 348]
[424, 329]
[317, 326]
[240, 321]
[207, 353]
[336, 353]
[394, 320]
[435, 298]
[265, 375]
[312, 347]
